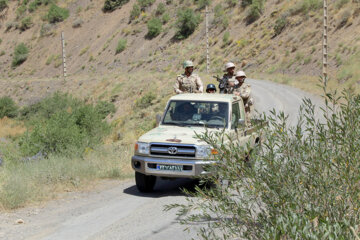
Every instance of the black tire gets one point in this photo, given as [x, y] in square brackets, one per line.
[144, 183]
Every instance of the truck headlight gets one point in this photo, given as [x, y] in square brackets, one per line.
[142, 148]
[203, 151]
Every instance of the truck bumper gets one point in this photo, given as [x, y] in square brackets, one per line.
[189, 168]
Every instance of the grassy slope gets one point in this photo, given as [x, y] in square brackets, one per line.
[296, 51]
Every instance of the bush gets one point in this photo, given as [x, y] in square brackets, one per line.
[145, 3]
[202, 3]
[3, 4]
[245, 3]
[8, 108]
[231, 3]
[21, 53]
[255, 11]
[154, 26]
[57, 14]
[111, 5]
[280, 25]
[186, 23]
[146, 100]
[302, 183]
[226, 38]
[160, 10]
[135, 12]
[62, 124]
[105, 108]
[26, 23]
[121, 45]
[340, 3]
[34, 5]
[77, 23]
[165, 18]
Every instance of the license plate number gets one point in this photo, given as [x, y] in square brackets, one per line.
[175, 168]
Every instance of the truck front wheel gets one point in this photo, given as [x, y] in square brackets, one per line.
[144, 183]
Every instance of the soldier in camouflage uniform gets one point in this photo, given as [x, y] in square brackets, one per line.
[242, 89]
[230, 69]
[188, 82]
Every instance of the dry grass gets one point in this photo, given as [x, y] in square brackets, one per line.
[29, 182]
[11, 128]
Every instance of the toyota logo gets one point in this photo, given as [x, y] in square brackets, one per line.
[172, 150]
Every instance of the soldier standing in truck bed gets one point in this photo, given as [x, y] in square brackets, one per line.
[188, 82]
[230, 70]
[241, 89]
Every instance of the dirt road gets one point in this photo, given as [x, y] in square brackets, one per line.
[116, 210]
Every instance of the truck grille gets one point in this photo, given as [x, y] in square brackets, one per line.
[174, 150]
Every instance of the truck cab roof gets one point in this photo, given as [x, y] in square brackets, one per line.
[215, 97]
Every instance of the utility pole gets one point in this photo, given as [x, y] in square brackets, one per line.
[63, 54]
[207, 40]
[325, 44]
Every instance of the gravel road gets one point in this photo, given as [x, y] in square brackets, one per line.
[116, 210]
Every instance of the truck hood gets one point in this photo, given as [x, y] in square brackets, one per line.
[174, 134]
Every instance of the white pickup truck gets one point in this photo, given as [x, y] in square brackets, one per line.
[171, 150]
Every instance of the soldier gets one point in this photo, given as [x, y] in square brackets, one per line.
[244, 90]
[188, 82]
[211, 88]
[230, 69]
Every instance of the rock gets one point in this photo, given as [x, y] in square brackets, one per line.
[19, 221]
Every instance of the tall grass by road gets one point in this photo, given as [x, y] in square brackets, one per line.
[303, 183]
[55, 145]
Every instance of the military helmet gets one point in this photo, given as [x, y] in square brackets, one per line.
[229, 65]
[188, 63]
[210, 87]
[240, 74]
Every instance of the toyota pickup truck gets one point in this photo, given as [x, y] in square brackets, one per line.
[171, 150]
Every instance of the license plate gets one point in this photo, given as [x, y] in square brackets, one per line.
[175, 168]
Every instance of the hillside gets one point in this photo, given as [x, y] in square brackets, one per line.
[283, 44]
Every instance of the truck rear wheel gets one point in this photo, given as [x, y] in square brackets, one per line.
[144, 183]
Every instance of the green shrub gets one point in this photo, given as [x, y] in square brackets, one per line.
[121, 45]
[20, 55]
[302, 183]
[154, 26]
[186, 23]
[202, 3]
[305, 6]
[20, 11]
[245, 3]
[280, 25]
[146, 100]
[220, 17]
[105, 108]
[340, 3]
[57, 14]
[135, 12]
[165, 18]
[226, 38]
[160, 10]
[231, 3]
[62, 124]
[2, 53]
[255, 11]
[34, 5]
[26, 23]
[168, 2]
[111, 5]
[3, 4]
[145, 3]
[8, 108]
[0, 40]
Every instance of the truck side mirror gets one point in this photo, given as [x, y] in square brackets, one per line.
[158, 119]
[241, 123]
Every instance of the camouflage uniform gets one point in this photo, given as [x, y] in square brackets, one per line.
[244, 91]
[191, 84]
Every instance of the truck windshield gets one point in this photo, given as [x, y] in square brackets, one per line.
[197, 113]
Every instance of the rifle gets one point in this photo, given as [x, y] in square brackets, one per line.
[222, 83]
